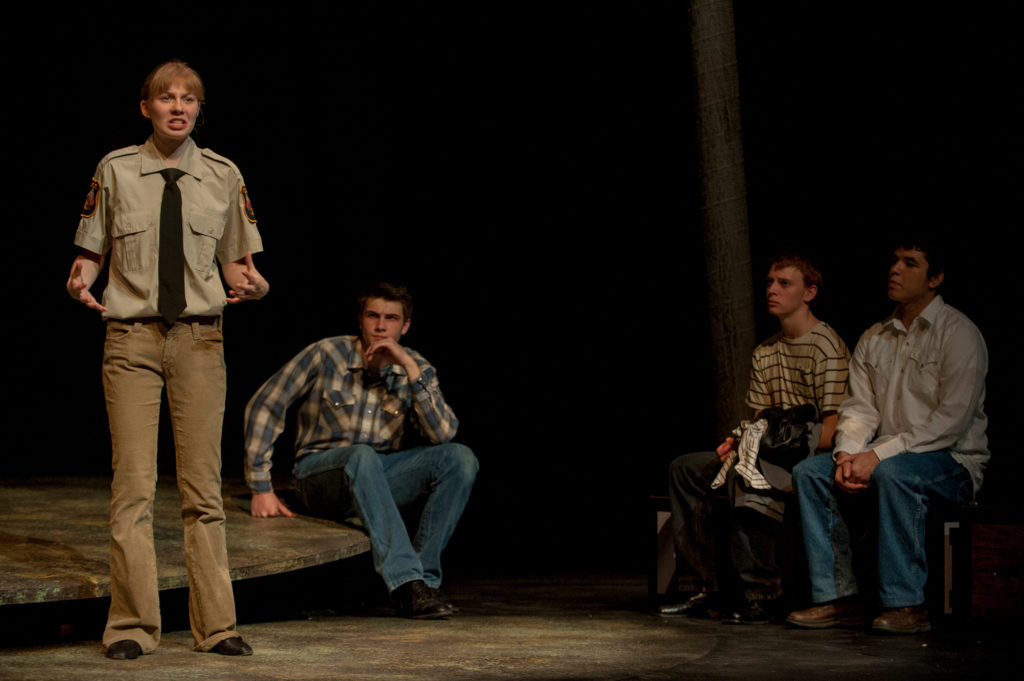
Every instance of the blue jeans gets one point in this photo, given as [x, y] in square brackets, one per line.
[903, 487]
[377, 486]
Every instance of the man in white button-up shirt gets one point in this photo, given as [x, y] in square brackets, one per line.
[911, 432]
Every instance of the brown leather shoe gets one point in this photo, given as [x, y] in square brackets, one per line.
[909, 620]
[440, 596]
[844, 612]
[415, 600]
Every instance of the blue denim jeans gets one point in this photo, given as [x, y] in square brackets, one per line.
[376, 487]
[903, 487]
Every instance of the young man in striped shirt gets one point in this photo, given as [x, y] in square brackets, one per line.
[805, 363]
[358, 393]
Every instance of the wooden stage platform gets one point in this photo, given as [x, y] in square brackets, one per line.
[54, 539]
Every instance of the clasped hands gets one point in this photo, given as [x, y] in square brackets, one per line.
[853, 471]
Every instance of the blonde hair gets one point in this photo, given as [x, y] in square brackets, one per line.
[163, 76]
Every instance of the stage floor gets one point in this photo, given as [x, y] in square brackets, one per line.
[54, 539]
[316, 620]
[512, 628]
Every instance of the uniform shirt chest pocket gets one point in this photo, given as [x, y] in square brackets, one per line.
[133, 236]
[200, 238]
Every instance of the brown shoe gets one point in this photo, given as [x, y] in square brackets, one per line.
[909, 620]
[417, 601]
[844, 612]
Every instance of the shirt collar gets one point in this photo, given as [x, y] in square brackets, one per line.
[931, 313]
[152, 163]
[927, 316]
[357, 358]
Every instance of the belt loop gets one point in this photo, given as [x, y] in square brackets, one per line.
[196, 335]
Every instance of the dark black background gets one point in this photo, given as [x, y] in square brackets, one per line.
[529, 171]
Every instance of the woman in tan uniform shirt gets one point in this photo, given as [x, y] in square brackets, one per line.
[162, 212]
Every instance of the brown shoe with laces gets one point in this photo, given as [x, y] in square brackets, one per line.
[417, 601]
[844, 612]
[908, 620]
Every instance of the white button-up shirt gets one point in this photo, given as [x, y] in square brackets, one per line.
[920, 389]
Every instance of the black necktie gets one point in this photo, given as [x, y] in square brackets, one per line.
[171, 272]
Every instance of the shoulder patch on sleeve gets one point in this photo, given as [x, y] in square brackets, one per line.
[250, 215]
[89, 207]
[90, 199]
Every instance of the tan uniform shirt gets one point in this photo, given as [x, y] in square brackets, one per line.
[122, 215]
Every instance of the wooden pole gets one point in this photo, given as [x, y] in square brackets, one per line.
[723, 204]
